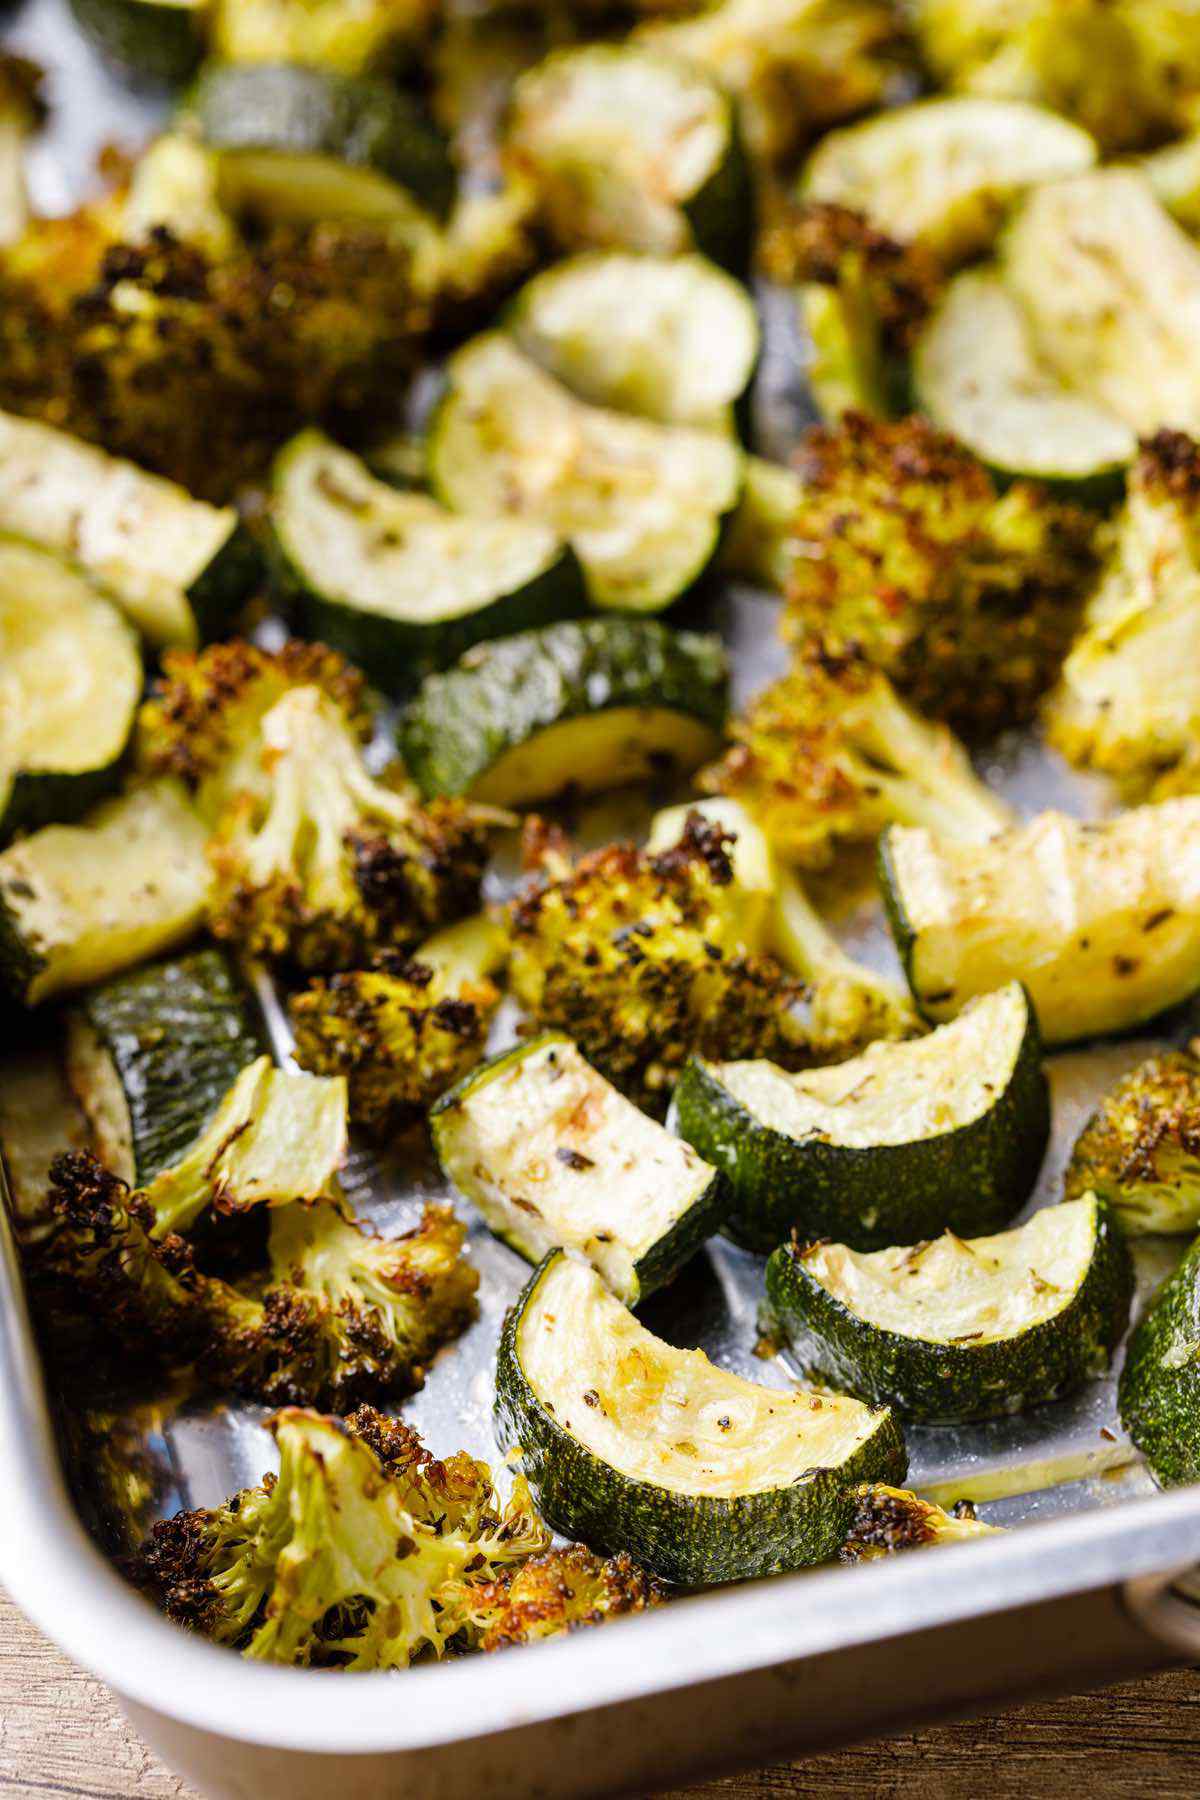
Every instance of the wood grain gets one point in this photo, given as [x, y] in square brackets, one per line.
[61, 1732]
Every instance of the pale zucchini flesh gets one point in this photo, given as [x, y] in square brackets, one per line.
[1100, 921]
[350, 36]
[555, 1158]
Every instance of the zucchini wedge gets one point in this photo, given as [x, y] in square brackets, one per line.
[70, 683]
[1111, 287]
[1101, 921]
[943, 172]
[151, 1055]
[632, 1444]
[556, 1159]
[177, 567]
[1159, 1394]
[396, 582]
[954, 1330]
[642, 504]
[945, 1132]
[81, 902]
[298, 145]
[159, 40]
[671, 338]
[978, 376]
[581, 706]
[632, 149]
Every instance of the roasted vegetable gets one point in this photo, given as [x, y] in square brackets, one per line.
[1160, 1384]
[966, 598]
[347, 35]
[1140, 1150]
[830, 755]
[405, 1030]
[641, 959]
[315, 860]
[888, 1519]
[365, 1552]
[1128, 701]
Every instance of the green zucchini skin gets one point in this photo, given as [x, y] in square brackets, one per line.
[179, 1032]
[939, 1384]
[687, 1539]
[160, 43]
[971, 1180]
[1159, 1393]
[503, 694]
[354, 119]
[221, 590]
[38, 797]
[722, 213]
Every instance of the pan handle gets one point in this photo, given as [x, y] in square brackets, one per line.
[1168, 1607]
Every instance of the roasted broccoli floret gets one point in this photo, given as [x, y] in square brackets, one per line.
[375, 1311]
[1140, 1150]
[1128, 701]
[966, 598]
[316, 861]
[642, 958]
[830, 755]
[863, 297]
[405, 1030]
[198, 366]
[888, 1519]
[365, 1552]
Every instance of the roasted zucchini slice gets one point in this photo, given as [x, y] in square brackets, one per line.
[150, 1056]
[395, 581]
[70, 682]
[1101, 921]
[160, 40]
[632, 149]
[350, 36]
[298, 145]
[951, 1330]
[1160, 1384]
[632, 1444]
[1140, 1150]
[944, 172]
[1111, 288]
[555, 1158]
[671, 338]
[580, 706]
[978, 376]
[179, 568]
[946, 1132]
[641, 503]
[81, 902]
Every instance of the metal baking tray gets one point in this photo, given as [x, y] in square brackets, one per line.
[1079, 1591]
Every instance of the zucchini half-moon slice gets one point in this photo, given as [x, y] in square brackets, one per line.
[950, 1329]
[671, 338]
[70, 683]
[1160, 1384]
[579, 707]
[945, 1132]
[395, 581]
[978, 376]
[1100, 920]
[555, 1158]
[634, 149]
[642, 504]
[632, 1444]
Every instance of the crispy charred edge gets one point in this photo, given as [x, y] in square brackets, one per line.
[450, 1482]
[440, 882]
[826, 244]
[1168, 463]
[887, 1520]
[196, 706]
[173, 1566]
[219, 360]
[903, 451]
[561, 1590]
[1155, 1107]
[703, 845]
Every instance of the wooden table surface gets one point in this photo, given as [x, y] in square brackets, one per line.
[62, 1733]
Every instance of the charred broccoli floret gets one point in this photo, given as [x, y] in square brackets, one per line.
[966, 598]
[642, 958]
[888, 1519]
[365, 1552]
[863, 298]
[1140, 1150]
[196, 366]
[403, 1031]
[375, 1311]
[830, 755]
[1128, 701]
[316, 862]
